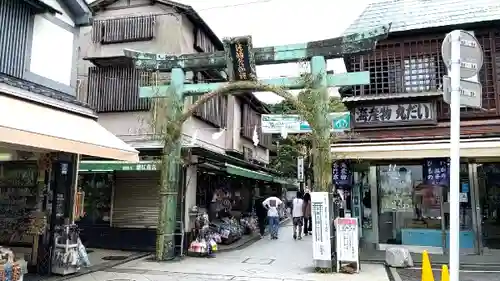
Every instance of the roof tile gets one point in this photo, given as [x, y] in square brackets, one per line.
[408, 15]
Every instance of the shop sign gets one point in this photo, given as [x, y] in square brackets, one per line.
[341, 173]
[437, 171]
[395, 114]
[347, 239]
[99, 166]
[321, 232]
[293, 123]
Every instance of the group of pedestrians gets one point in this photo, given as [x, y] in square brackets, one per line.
[301, 215]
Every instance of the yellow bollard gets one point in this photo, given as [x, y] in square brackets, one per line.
[445, 274]
[427, 274]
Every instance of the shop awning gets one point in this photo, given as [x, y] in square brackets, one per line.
[108, 166]
[32, 125]
[242, 172]
[487, 147]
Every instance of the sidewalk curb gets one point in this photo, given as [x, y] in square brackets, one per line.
[392, 273]
[101, 267]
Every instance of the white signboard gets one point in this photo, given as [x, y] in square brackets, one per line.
[347, 239]
[300, 168]
[471, 93]
[273, 123]
[321, 232]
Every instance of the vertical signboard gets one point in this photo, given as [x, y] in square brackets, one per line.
[321, 230]
[300, 168]
[347, 239]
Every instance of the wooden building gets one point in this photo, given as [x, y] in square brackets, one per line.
[401, 127]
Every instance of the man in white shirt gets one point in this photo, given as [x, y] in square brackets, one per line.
[272, 204]
[297, 215]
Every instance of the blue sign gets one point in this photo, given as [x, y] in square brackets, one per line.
[437, 171]
[465, 187]
[342, 173]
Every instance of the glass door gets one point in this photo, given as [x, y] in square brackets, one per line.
[410, 211]
[489, 203]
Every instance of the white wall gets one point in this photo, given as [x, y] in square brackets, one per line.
[52, 51]
[135, 129]
[63, 15]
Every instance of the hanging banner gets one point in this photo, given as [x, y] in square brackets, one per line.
[320, 213]
[342, 173]
[347, 241]
[437, 171]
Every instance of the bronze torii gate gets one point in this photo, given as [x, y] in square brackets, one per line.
[239, 58]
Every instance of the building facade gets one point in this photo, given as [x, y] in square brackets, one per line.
[44, 129]
[222, 129]
[402, 129]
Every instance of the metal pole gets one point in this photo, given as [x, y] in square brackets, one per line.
[455, 157]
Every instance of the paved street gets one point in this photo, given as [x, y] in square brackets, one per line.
[277, 260]
[414, 275]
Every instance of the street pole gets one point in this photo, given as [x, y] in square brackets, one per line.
[455, 157]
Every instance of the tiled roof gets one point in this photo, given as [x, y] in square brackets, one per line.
[40, 90]
[408, 15]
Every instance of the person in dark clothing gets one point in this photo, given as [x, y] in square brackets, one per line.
[307, 213]
[261, 213]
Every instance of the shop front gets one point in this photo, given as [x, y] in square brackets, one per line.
[120, 203]
[404, 188]
[121, 200]
[40, 146]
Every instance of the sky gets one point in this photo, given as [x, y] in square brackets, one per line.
[280, 22]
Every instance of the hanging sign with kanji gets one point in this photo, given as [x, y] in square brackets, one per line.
[342, 173]
[240, 58]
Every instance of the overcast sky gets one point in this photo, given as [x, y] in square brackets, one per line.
[280, 22]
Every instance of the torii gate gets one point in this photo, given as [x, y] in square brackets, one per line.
[239, 58]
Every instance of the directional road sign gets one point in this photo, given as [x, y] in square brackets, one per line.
[471, 54]
[470, 92]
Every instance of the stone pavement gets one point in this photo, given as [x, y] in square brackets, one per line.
[273, 260]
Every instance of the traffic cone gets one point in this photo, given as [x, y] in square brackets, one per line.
[445, 274]
[427, 274]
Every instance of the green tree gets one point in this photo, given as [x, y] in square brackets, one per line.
[288, 150]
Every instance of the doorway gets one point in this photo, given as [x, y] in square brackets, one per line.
[489, 202]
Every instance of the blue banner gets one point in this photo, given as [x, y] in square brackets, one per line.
[342, 173]
[437, 171]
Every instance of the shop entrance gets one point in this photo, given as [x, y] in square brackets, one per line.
[489, 202]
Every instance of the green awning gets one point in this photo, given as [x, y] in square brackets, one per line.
[101, 166]
[242, 172]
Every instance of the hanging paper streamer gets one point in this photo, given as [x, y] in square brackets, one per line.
[437, 171]
[342, 173]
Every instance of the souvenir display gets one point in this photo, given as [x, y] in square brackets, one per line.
[18, 199]
[205, 243]
[10, 268]
[69, 253]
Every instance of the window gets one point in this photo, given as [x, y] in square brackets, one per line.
[120, 30]
[419, 74]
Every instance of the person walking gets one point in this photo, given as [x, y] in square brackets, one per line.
[272, 204]
[261, 213]
[297, 215]
[307, 212]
